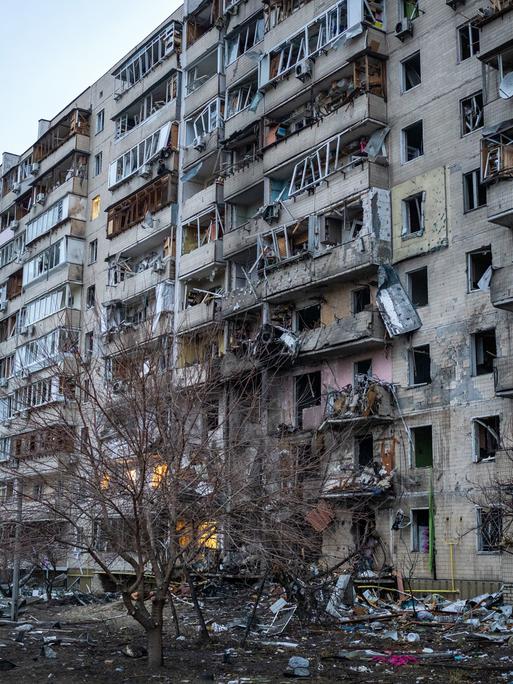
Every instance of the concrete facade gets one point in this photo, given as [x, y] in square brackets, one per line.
[276, 182]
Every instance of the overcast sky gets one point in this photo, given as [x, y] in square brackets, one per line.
[51, 50]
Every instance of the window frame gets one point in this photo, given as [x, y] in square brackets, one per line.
[479, 529]
[475, 423]
[99, 125]
[411, 366]
[404, 145]
[409, 275]
[477, 186]
[404, 62]
[412, 443]
[474, 352]
[406, 232]
[468, 25]
[480, 124]
[470, 278]
[414, 538]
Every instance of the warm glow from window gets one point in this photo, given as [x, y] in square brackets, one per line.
[159, 474]
[208, 535]
[95, 207]
[132, 475]
[105, 482]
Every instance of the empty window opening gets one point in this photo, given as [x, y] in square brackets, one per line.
[422, 446]
[365, 451]
[361, 299]
[91, 296]
[243, 39]
[472, 115]
[420, 530]
[411, 74]
[479, 265]
[469, 41]
[98, 160]
[202, 230]
[474, 192]
[201, 72]
[308, 393]
[241, 96]
[412, 139]
[362, 370]
[420, 365]
[89, 344]
[418, 287]
[158, 97]
[484, 351]
[486, 438]
[212, 416]
[413, 214]
[308, 318]
[93, 251]
[489, 528]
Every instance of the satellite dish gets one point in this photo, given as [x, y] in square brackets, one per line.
[506, 86]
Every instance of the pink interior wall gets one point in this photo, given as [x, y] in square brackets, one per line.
[340, 372]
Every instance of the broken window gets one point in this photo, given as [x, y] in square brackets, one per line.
[202, 230]
[210, 118]
[497, 156]
[468, 36]
[411, 74]
[142, 109]
[485, 438]
[420, 365]
[12, 250]
[479, 265]
[409, 9]
[243, 39]
[89, 344]
[365, 450]
[98, 160]
[93, 252]
[212, 416]
[472, 113]
[484, 351]
[49, 258]
[308, 393]
[420, 530]
[361, 299]
[74, 123]
[100, 121]
[140, 206]
[474, 192]
[282, 244]
[412, 141]
[141, 154]
[308, 318]
[91, 296]
[203, 17]
[418, 287]
[422, 446]
[313, 38]
[362, 370]
[7, 367]
[489, 528]
[5, 451]
[155, 50]
[50, 218]
[240, 97]
[413, 214]
[202, 71]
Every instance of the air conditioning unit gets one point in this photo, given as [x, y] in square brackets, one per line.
[14, 224]
[40, 198]
[34, 169]
[3, 306]
[404, 28]
[271, 212]
[16, 188]
[303, 69]
[4, 382]
[200, 143]
[145, 171]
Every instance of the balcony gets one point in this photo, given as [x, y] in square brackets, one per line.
[349, 261]
[499, 200]
[202, 94]
[501, 288]
[244, 177]
[202, 200]
[368, 110]
[202, 260]
[72, 186]
[496, 29]
[66, 318]
[239, 121]
[202, 45]
[64, 273]
[503, 376]
[76, 143]
[358, 333]
[141, 282]
[197, 316]
[191, 155]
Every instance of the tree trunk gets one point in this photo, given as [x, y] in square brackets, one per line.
[154, 637]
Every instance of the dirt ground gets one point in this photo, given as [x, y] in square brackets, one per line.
[103, 630]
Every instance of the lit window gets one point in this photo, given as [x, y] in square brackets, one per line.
[159, 473]
[95, 207]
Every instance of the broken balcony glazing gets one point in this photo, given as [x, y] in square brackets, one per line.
[74, 123]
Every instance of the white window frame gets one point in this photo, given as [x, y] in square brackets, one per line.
[148, 107]
[12, 250]
[50, 218]
[133, 159]
[404, 62]
[477, 114]
[420, 199]
[207, 120]
[98, 163]
[243, 39]
[468, 27]
[475, 423]
[245, 93]
[100, 121]
[44, 306]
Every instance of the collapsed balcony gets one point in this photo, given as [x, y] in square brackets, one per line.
[75, 123]
[201, 303]
[137, 312]
[142, 206]
[203, 132]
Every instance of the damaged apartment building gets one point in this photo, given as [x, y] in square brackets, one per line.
[321, 194]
